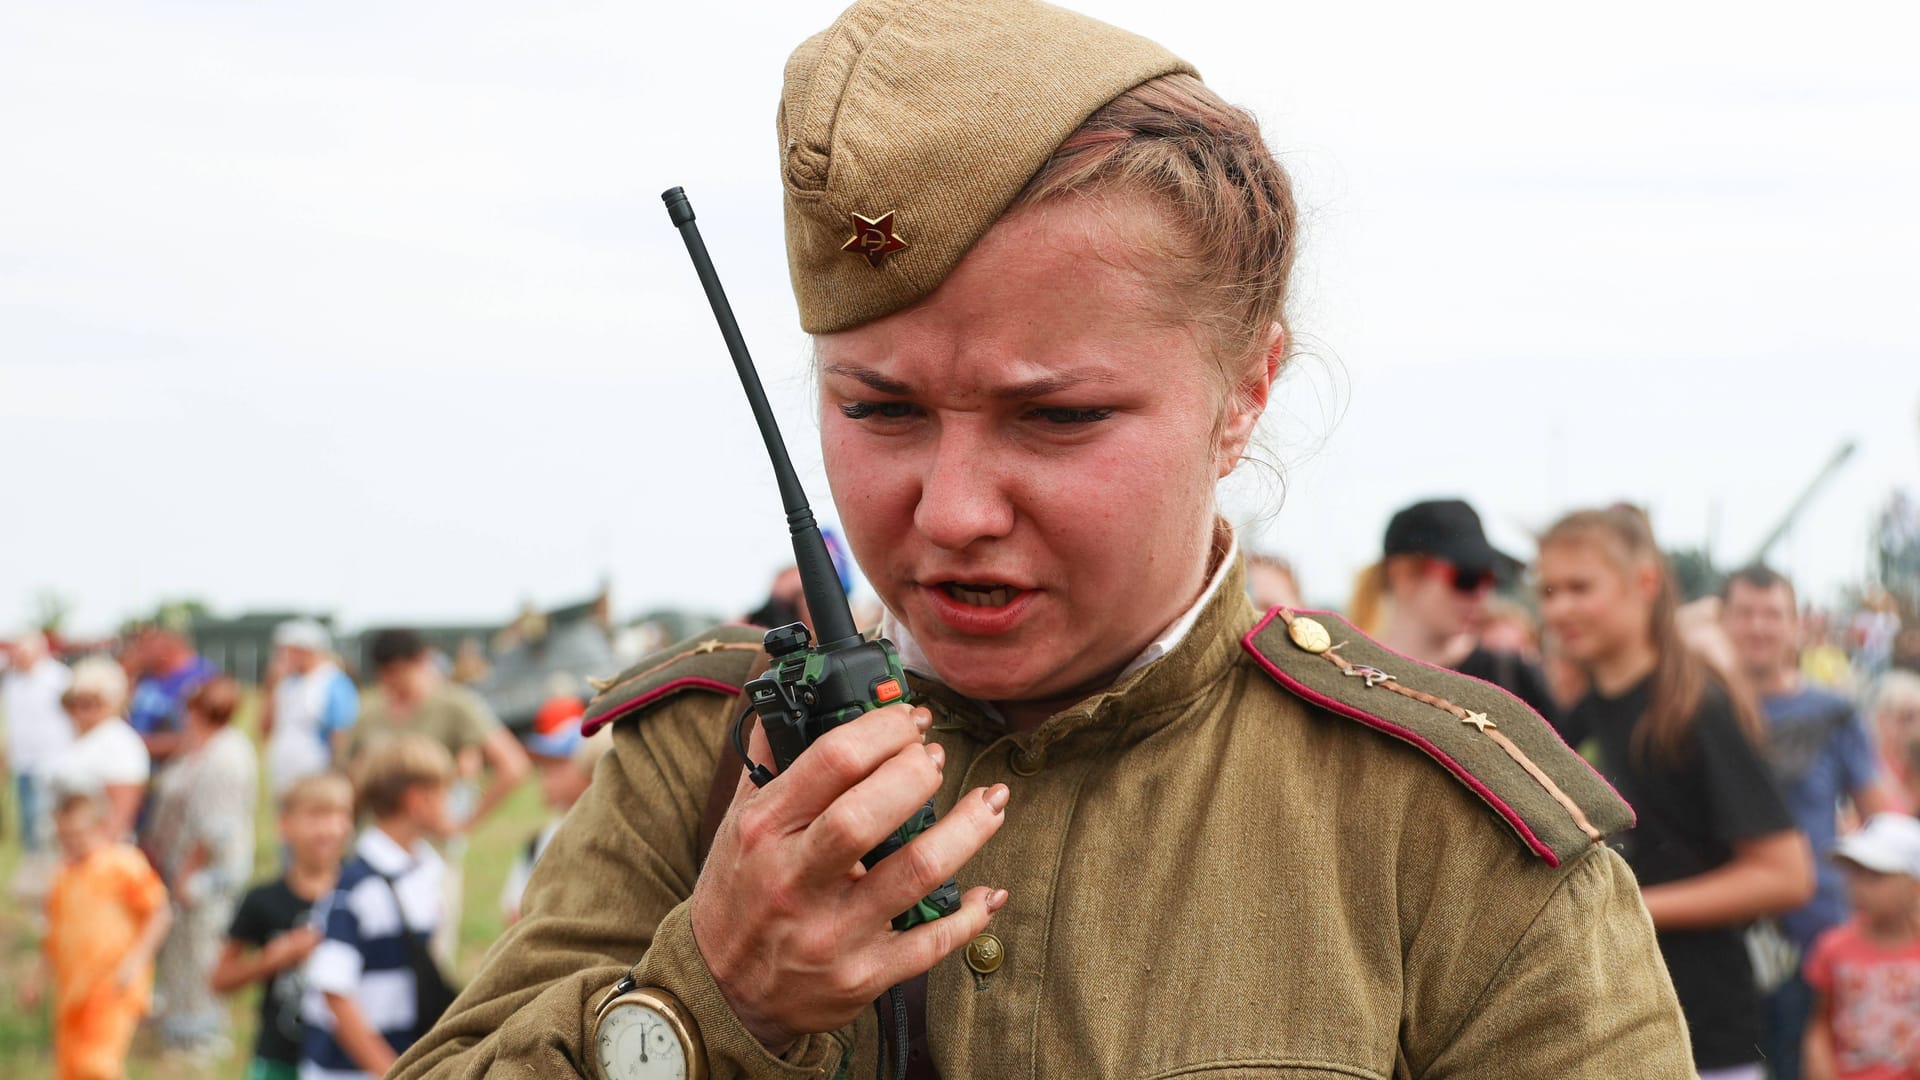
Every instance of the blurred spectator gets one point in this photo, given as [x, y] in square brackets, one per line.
[1507, 626]
[1429, 591]
[1821, 756]
[106, 914]
[1894, 718]
[415, 697]
[166, 670]
[308, 700]
[786, 602]
[106, 757]
[1822, 660]
[565, 760]
[271, 935]
[1271, 582]
[372, 990]
[1714, 847]
[201, 838]
[37, 730]
[1866, 1023]
[1875, 626]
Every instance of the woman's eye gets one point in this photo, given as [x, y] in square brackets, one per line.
[1064, 416]
[887, 410]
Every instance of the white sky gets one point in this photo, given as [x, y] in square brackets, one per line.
[373, 307]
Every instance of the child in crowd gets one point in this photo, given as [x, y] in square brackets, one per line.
[106, 916]
[565, 761]
[372, 988]
[1866, 972]
[272, 932]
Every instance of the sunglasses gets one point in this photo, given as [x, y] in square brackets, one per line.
[1463, 581]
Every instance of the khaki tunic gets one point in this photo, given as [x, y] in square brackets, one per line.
[1209, 877]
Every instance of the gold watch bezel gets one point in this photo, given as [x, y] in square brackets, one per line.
[665, 1005]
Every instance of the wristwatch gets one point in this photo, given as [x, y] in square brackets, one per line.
[644, 1033]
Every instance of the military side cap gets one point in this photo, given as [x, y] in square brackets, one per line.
[719, 661]
[908, 126]
[1488, 739]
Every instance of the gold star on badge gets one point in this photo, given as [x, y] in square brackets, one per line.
[874, 238]
[1479, 720]
[707, 646]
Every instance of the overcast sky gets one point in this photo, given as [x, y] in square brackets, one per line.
[373, 308]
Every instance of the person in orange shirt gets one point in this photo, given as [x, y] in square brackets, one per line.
[106, 916]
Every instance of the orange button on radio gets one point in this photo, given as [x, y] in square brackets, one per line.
[887, 691]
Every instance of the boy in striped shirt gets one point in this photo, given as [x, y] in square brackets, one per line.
[365, 978]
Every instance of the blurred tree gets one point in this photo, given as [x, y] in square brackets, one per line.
[50, 611]
[1694, 573]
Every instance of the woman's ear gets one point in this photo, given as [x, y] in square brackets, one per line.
[1247, 401]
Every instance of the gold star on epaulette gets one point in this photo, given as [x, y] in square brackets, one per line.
[1478, 720]
[707, 646]
[874, 238]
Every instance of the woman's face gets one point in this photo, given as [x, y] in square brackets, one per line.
[1429, 591]
[1024, 461]
[86, 710]
[1593, 607]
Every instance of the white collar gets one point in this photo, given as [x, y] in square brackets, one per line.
[914, 658]
[387, 857]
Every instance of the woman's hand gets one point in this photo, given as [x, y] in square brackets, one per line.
[796, 932]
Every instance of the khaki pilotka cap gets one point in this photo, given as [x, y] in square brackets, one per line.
[908, 126]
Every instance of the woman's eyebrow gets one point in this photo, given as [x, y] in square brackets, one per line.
[873, 379]
[1050, 384]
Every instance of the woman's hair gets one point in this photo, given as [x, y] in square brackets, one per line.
[1231, 203]
[101, 677]
[216, 699]
[395, 766]
[1367, 606]
[1896, 690]
[1681, 677]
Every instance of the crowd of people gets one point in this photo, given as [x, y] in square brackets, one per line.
[1774, 768]
[135, 798]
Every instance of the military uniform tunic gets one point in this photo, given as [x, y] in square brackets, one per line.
[1209, 876]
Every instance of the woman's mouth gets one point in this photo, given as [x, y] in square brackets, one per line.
[980, 608]
[979, 594]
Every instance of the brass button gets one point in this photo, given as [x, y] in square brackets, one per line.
[1025, 764]
[985, 954]
[1309, 635]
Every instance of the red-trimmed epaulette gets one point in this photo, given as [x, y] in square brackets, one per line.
[1491, 741]
[719, 661]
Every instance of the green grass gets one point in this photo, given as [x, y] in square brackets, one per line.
[26, 1051]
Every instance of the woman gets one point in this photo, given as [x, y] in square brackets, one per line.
[201, 838]
[1894, 719]
[1714, 847]
[1428, 594]
[106, 755]
[1053, 328]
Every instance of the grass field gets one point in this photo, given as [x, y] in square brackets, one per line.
[25, 1039]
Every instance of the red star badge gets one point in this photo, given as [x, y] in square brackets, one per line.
[874, 238]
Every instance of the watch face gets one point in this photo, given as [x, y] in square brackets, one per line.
[635, 1042]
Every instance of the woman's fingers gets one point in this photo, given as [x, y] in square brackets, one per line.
[904, 877]
[872, 809]
[908, 955]
[840, 759]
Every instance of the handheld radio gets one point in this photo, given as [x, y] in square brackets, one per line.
[812, 687]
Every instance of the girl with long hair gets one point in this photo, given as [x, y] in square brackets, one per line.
[1714, 847]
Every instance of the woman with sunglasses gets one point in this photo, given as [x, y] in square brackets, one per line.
[1428, 593]
[1714, 847]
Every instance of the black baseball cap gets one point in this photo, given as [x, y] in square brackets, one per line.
[1448, 529]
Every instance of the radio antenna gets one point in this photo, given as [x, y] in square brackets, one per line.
[826, 602]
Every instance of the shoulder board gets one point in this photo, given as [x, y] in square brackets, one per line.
[1488, 739]
[719, 661]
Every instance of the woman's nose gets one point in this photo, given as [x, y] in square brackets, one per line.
[963, 496]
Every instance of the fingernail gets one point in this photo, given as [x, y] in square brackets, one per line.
[939, 755]
[922, 718]
[996, 901]
[997, 797]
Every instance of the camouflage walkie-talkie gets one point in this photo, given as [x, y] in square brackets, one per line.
[812, 687]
